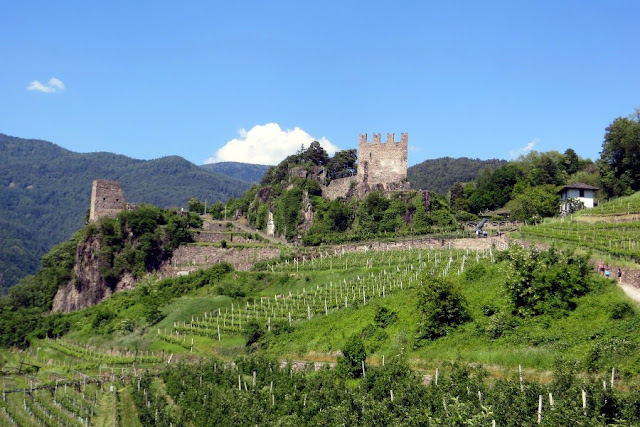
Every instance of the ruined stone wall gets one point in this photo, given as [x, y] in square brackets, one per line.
[338, 188]
[107, 199]
[382, 165]
[213, 237]
[192, 258]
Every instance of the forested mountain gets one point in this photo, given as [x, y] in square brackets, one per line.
[440, 174]
[45, 191]
[248, 172]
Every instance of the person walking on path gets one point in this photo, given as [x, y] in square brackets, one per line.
[607, 271]
[619, 275]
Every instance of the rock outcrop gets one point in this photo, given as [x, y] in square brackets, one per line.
[87, 287]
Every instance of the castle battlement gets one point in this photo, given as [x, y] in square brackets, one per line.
[381, 166]
[377, 139]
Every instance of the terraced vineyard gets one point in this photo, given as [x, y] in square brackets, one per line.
[612, 228]
[380, 275]
[621, 206]
[74, 404]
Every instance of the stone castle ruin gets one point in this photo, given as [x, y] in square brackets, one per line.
[107, 199]
[381, 166]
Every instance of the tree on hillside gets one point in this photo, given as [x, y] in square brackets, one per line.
[457, 199]
[342, 163]
[542, 282]
[619, 162]
[571, 163]
[316, 154]
[353, 357]
[494, 188]
[195, 205]
[535, 203]
[441, 307]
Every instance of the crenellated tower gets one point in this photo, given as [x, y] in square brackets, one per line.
[382, 165]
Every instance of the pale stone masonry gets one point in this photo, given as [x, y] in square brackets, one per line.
[381, 166]
[107, 199]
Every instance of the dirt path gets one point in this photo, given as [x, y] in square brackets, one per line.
[631, 291]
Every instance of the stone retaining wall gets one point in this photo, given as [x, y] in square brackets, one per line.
[191, 258]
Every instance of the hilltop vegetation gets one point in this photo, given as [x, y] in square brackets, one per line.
[287, 194]
[45, 191]
[246, 172]
[440, 174]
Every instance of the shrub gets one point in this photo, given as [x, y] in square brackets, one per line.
[543, 282]
[385, 317]
[254, 332]
[621, 310]
[441, 307]
[353, 354]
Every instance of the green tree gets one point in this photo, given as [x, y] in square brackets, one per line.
[342, 163]
[370, 213]
[457, 199]
[353, 356]
[619, 161]
[315, 154]
[571, 163]
[287, 213]
[540, 282]
[535, 203]
[420, 221]
[195, 205]
[494, 188]
[441, 307]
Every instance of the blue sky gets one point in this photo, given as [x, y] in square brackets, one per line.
[253, 80]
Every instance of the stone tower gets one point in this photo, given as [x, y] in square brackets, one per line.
[107, 199]
[381, 165]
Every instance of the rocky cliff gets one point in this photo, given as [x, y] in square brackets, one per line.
[87, 286]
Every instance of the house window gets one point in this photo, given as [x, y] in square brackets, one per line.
[581, 193]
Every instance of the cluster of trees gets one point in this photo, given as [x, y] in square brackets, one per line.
[138, 241]
[619, 162]
[376, 214]
[527, 186]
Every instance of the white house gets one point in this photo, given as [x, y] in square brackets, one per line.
[579, 192]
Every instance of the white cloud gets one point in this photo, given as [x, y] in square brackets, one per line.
[53, 85]
[267, 145]
[524, 150]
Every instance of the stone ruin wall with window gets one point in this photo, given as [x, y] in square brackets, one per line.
[107, 199]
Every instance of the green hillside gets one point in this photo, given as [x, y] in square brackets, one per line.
[45, 190]
[440, 174]
[314, 309]
[248, 172]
